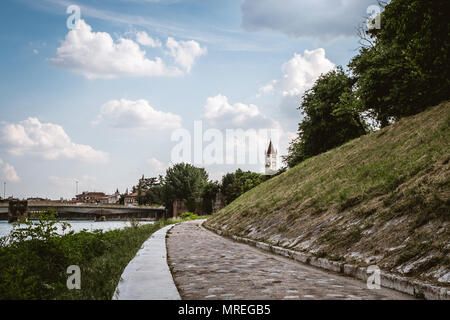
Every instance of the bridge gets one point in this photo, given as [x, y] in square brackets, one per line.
[97, 212]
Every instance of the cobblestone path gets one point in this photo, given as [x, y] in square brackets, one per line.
[207, 266]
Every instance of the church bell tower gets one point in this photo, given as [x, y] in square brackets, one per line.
[271, 160]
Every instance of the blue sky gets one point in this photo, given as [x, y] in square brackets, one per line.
[98, 104]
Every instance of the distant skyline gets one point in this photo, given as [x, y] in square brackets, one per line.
[98, 104]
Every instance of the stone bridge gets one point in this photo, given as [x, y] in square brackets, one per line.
[93, 211]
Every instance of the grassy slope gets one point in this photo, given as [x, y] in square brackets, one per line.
[383, 199]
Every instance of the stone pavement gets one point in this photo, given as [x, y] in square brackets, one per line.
[147, 276]
[207, 266]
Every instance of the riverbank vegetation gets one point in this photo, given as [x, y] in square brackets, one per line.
[34, 258]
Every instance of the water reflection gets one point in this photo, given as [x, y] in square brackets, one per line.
[78, 225]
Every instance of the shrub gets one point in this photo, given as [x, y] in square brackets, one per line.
[34, 259]
[188, 216]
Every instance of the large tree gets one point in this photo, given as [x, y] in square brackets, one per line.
[236, 183]
[185, 182]
[404, 68]
[331, 117]
[149, 191]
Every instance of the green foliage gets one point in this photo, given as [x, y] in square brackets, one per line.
[402, 71]
[149, 191]
[208, 195]
[34, 259]
[405, 69]
[239, 182]
[188, 216]
[183, 181]
[189, 183]
[331, 117]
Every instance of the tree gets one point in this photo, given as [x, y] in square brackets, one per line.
[209, 192]
[146, 189]
[185, 182]
[406, 69]
[236, 183]
[331, 117]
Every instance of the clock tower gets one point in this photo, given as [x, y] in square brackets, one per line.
[271, 160]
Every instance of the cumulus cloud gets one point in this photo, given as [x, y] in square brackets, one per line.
[220, 113]
[97, 55]
[325, 19]
[8, 172]
[256, 127]
[46, 140]
[136, 114]
[144, 39]
[157, 167]
[185, 52]
[300, 73]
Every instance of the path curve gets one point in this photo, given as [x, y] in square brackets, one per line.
[147, 276]
[208, 266]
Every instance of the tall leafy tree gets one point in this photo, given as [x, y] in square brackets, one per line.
[185, 182]
[405, 67]
[148, 191]
[331, 117]
[236, 183]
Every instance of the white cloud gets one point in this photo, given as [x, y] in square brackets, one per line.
[144, 39]
[324, 19]
[220, 113]
[157, 167]
[97, 55]
[46, 140]
[185, 52]
[136, 114]
[8, 172]
[300, 73]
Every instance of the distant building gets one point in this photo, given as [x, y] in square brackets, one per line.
[131, 199]
[89, 197]
[111, 199]
[271, 160]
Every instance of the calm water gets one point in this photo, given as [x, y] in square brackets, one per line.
[77, 226]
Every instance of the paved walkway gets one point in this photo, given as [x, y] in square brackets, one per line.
[208, 266]
[147, 276]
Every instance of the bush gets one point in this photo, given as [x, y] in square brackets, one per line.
[34, 259]
[188, 216]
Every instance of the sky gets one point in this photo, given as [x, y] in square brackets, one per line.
[117, 91]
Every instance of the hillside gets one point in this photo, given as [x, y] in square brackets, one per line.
[383, 199]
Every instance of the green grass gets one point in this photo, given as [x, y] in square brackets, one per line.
[376, 190]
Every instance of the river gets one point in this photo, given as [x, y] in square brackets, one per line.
[78, 225]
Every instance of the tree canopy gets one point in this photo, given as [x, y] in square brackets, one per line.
[405, 68]
[402, 69]
[331, 117]
[236, 183]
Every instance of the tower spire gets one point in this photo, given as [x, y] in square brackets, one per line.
[271, 159]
